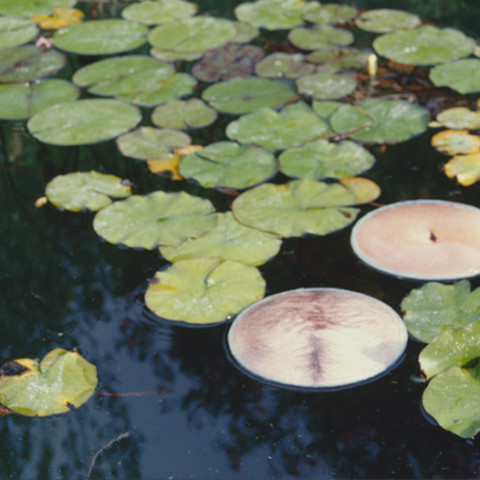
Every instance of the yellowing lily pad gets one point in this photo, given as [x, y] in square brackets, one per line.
[383, 20]
[323, 159]
[204, 290]
[460, 75]
[62, 17]
[63, 380]
[166, 165]
[297, 208]
[363, 189]
[229, 240]
[159, 11]
[465, 167]
[183, 114]
[149, 143]
[101, 37]
[228, 164]
[459, 117]
[326, 86]
[86, 190]
[244, 95]
[292, 126]
[83, 121]
[159, 218]
[16, 31]
[456, 142]
[425, 45]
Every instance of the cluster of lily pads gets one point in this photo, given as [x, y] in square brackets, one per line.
[308, 110]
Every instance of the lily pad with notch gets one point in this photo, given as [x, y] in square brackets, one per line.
[159, 11]
[461, 75]
[459, 117]
[183, 114]
[326, 86]
[383, 20]
[331, 14]
[158, 218]
[288, 65]
[15, 31]
[456, 142]
[466, 168]
[204, 291]
[320, 36]
[338, 59]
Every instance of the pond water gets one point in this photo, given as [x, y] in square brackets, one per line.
[170, 403]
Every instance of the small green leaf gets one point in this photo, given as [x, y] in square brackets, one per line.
[330, 14]
[320, 36]
[326, 86]
[383, 20]
[204, 290]
[183, 114]
[288, 65]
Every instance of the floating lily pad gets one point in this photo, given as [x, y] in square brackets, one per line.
[380, 121]
[363, 189]
[229, 240]
[326, 86]
[16, 31]
[330, 14]
[148, 142]
[101, 37]
[173, 55]
[297, 208]
[243, 95]
[30, 8]
[293, 126]
[86, 190]
[452, 399]
[156, 219]
[320, 36]
[84, 121]
[460, 75]
[339, 59]
[204, 290]
[182, 114]
[196, 34]
[326, 109]
[227, 62]
[23, 64]
[465, 167]
[456, 142]
[288, 65]
[323, 159]
[62, 17]
[459, 117]
[425, 45]
[385, 20]
[22, 101]
[455, 346]
[159, 11]
[227, 164]
[431, 309]
[244, 32]
[61, 381]
[274, 14]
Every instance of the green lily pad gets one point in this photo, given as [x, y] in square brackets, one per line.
[173, 55]
[334, 60]
[460, 75]
[452, 398]
[292, 126]
[288, 65]
[383, 20]
[196, 34]
[454, 347]
[425, 45]
[243, 95]
[159, 11]
[325, 109]
[244, 32]
[159, 218]
[79, 191]
[320, 36]
[323, 159]
[326, 86]
[61, 381]
[331, 14]
[274, 14]
[22, 101]
[297, 208]
[148, 143]
[101, 37]
[380, 121]
[16, 31]
[204, 290]
[229, 240]
[431, 309]
[228, 164]
[459, 117]
[182, 114]
[30, 8]
[23, 64]
[84, 121]
[227, 62]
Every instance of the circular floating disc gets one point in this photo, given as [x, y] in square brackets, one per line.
[317, 338]
[421, 239]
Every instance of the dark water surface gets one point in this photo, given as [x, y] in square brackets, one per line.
[199, 417]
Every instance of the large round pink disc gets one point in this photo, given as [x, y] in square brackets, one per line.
[422, 239]
[317, 338]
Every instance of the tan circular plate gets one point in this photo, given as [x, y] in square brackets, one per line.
[317, 338]
[421, 239]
